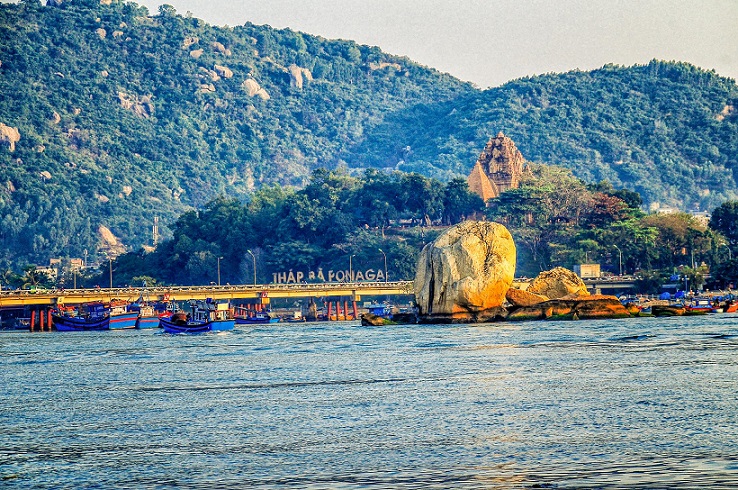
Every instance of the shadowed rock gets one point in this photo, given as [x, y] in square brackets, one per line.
[581, 308]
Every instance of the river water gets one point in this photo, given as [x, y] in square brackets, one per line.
[645, 403]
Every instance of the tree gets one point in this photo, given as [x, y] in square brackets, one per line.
[724, 219]
[459, 202]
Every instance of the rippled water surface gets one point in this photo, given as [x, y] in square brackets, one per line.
[641, 403]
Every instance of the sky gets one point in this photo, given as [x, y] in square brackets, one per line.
[490, 42]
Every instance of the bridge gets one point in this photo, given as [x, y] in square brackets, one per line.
[53, 297]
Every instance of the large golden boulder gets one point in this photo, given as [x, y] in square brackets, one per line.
[464, 274]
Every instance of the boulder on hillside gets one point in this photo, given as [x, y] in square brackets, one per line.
[10, 135]
[464, 274]
[223, 71]
[557, 283]
[253, 88]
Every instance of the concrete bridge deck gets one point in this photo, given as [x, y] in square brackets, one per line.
[16, 298]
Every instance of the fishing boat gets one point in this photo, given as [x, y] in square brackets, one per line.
[700, 306]
[206, 316]
[89, 316]
[121, 316]
[147, 317]
[245, 316]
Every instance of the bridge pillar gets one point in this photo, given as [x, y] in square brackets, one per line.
[356, 312]
[33, 319]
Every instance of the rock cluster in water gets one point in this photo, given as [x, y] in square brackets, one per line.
[466, 274]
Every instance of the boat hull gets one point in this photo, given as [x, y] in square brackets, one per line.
[147, 322]
[74, 324]
[256, 320]
[123, 321]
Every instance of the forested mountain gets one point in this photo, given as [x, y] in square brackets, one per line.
[123, 115]
[666, 130]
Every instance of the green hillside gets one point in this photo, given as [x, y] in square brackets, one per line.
[124, 116]
[666, 130]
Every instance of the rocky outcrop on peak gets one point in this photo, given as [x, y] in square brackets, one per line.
[223, 71]
[140, 105]
[464, 274]
[298, 74]
[253, 88]
[110, 245]
[220, 48]
[9, 135]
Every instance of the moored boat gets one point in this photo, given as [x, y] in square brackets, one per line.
[147, 317]
[245, 316]
[700, 306]
[206, 316]
[121, 316]
[90, 316]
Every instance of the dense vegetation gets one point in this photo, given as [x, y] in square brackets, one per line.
[668, 131]
[124, 116]
[555, 219]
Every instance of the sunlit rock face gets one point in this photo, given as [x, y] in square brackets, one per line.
[464, 274]
[557, 283]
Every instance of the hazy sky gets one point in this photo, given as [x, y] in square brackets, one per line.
[489, 42]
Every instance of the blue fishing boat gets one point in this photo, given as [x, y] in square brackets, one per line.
[121, 316]
[147, 317]
[90, 316]
[245, 316]
[206, 316]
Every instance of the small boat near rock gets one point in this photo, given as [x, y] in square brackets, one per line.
[206, 316]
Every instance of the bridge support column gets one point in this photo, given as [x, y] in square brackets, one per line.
[345, 310]
[33, 319]
[328, 310]
[356, 312]
[49, 320]
[41, 320]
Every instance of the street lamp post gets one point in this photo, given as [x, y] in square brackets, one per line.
[219, 270]
[620, 259]
[351, 269]
[254, 259]
[385, 263]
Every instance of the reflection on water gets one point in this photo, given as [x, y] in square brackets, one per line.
[642, 402]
